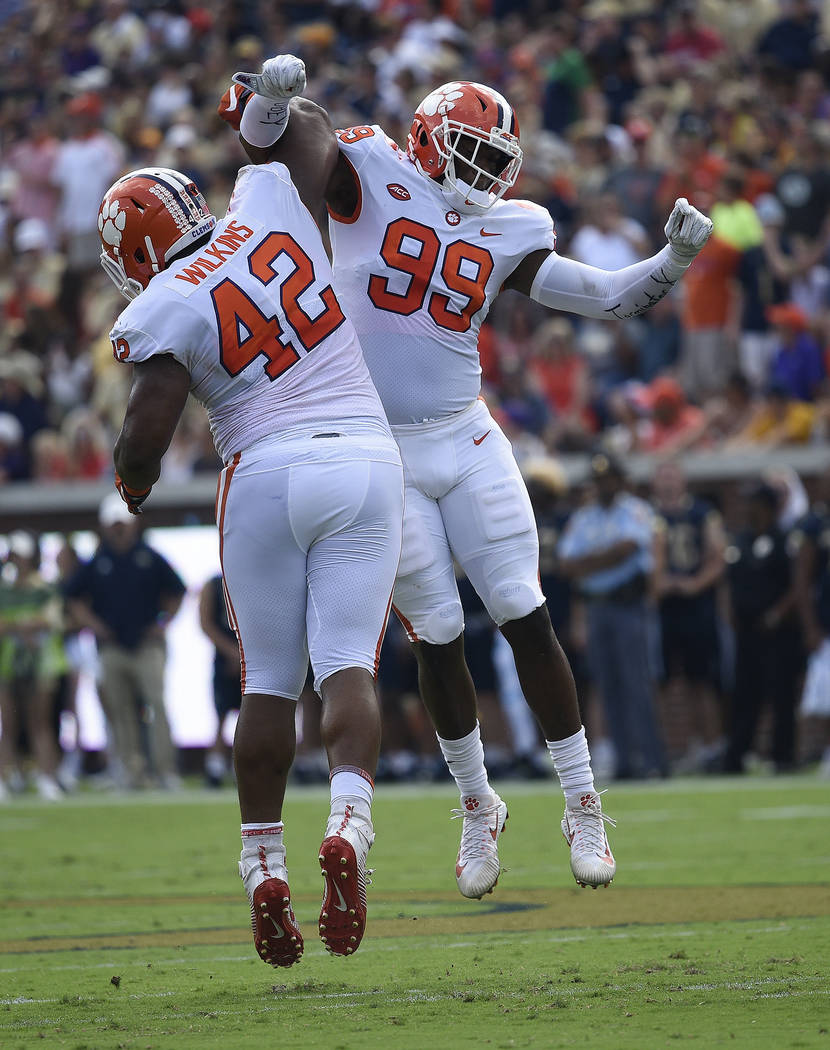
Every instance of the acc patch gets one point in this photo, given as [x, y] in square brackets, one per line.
[398, 192]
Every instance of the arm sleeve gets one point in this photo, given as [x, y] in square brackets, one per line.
[564, 284]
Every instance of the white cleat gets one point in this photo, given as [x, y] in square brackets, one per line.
[477, 867]
[583, 826]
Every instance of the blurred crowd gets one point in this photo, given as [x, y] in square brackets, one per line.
[624, 105]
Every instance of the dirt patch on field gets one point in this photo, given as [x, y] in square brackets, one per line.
[506, 912]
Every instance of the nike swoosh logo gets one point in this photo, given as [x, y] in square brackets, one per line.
[477, 441]
[494, 832]
[277, 927]
[486, 233]
[342, 905]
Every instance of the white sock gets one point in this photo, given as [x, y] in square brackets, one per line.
[268, 835]
[572, 762]
[264, 120]
[348, 783]
[465, 759]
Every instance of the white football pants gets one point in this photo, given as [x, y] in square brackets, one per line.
[310, 536]
[465, 499]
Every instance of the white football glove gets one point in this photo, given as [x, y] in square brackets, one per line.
[282, 77]
[687, 229]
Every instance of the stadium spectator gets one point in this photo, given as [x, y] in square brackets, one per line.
[31, 661]
[566, 76]
[563, 376]
[694, 169]
[689, 556]
[32, 159]
[227, 673]
[13, 464]
[635, 183]
[126, 595]
[812, 591]
[608, 239]
[607, 551]
[674, 425]
[728, 414]
[803, 185]
[690, 42]
[768, 653]
[21, 396]
[790, 42]
[777, 419]
[86, 164]
[798, 363]
[709, 319]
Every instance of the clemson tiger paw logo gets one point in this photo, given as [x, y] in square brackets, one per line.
[111, 223]
[471, 803]
[442, 100]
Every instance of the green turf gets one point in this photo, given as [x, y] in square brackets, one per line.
[716, 931]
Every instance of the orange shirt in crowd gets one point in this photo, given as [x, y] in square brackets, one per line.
[708, 286]
[660, 437]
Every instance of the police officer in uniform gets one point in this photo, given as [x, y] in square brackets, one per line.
[608, 550]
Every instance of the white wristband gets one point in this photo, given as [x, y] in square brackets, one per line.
[264, 121]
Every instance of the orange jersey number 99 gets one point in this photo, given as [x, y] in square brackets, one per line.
[413, 249]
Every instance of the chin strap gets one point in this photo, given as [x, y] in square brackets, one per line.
[463, 198]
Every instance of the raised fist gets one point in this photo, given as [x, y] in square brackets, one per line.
[688, 229]
[282, 77]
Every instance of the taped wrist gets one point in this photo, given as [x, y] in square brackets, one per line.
[677, 262]
[264, 121]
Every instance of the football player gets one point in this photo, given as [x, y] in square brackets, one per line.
[422, 242]
[241, 313]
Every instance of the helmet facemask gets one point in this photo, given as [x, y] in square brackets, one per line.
[114, 269]
[464, 150]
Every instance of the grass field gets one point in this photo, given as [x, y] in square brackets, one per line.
[123, 924]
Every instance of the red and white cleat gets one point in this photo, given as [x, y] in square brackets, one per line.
[277, 936]
[583, 826]
[349, 837]
[477, 867]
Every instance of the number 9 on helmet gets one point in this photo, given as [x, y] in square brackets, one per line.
[146, 219]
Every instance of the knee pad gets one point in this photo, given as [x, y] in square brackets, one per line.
[512, 600]
[443, 625]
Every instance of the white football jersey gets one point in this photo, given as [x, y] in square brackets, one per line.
[417, 277]
[254, 320]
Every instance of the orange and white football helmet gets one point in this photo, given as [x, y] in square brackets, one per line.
[146, 218]
[453, 124]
